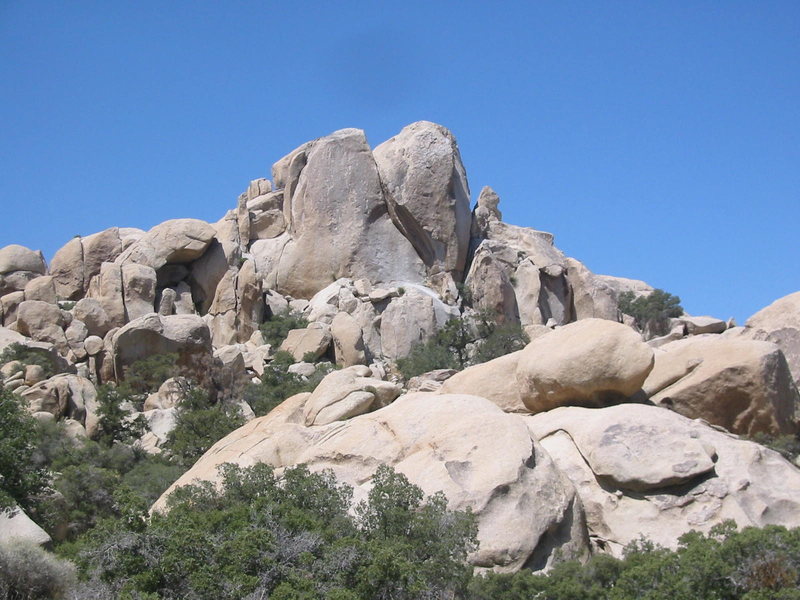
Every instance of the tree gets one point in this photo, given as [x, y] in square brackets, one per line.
[21, 480]
[651, 312]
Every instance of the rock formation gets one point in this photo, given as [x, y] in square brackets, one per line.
[578, 443]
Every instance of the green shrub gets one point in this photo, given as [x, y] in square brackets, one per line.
[21, 479]
[462, 343]
[146, 375]
[275, 330]
[200, 423]
[258, 536]
[115, 423]
[652, 312]
[27, 572]
[277, 384]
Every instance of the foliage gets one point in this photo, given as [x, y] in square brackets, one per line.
[30, 356]
[751, 564]
[277, 384]
[146, 375]
[200, 423]
[463, 342]
[27, 572]
[275, 330]
[115, 422]
[20, 479]
[651, 312]
[89, 479]
[787, 445]
[258, 536]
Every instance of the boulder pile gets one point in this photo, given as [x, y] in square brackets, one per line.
[585, 439]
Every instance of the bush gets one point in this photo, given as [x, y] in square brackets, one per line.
[277, 384]
[258, 536]
[20, 478]
[29, 573]
[462, 343]
[115, 423]
[200, 423]
[275, 330]
[652, 312]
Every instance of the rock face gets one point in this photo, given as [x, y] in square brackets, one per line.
[176, 241]
[780, 323]
[18, 266]
[333, 199]
[495, 380]
[742, 385]
[62, 396]
[526, 510]
[186, 335]
[427, 194]
[16, 525]
[593, 362]
[640, 470]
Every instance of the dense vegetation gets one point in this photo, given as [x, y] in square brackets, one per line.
[651, 312]
[463, 342]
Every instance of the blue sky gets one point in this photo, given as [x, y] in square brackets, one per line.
[656, 140]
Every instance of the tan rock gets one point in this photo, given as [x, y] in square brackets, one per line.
[186, 335]
[495, 380]
[174, 241]
[347, 393]
[742, 385]
[779, 323]
[107, 288]
[701, 325]
[41, 288]
[427, 194]
[338, 204]
[8, 306]
[19, 258]
[625, 462]
[65, 396]
[526, 511]
[91, 312]
[593, 362]
[348, 341]
[301, 342]
[139, 290]
[93, 345]
[489, 282]
[42, 322]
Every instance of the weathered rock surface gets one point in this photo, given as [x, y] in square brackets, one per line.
[427, 194]
[779, 323]
[348, 341]
[641, 470]
[526, 510]
[742, 385]
[593, 362]
[65, 396]
[186, 335]
[495, 380]
[16, 525]
[311, 340]
[176, 241]
[334, 200]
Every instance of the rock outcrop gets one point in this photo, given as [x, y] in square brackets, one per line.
[527, 511]
[641, 470]
[742, 385]
[779, 323]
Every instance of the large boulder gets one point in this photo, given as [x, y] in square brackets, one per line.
[348, 341]
[42, 322]
[526, 510]
[108, 289]
[138, 289]
[780, 323]
[742, 385]
[347, 393]
[65, 396]
[186, 335]
[336, 203]
[427, 194]
[80, 259]
[412, 319]
[644, 471]
[495, 380]
[16, 526]
[18, 266]
[175, 241]
[593, 362]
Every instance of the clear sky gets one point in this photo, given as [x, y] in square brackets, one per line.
[656, 140]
